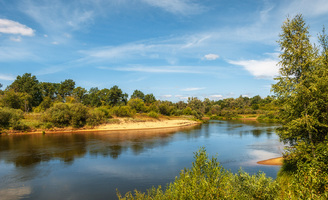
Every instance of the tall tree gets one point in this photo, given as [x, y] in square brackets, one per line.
[66, 88]
[302, 87]
[28, 84]
[138, 94]
[116, 96]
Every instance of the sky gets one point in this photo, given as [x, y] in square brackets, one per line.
[174, 49]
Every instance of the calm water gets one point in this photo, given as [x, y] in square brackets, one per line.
[93, 165]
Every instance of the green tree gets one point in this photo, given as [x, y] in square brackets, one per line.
[79, 94]
[138, 94]
[117, 97]
[137, 104]
[149, 99]
[30, 85]
[66, 88]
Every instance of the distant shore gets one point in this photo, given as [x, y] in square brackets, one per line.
[123, 124]
[272, 161]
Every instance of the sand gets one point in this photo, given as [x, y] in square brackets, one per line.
[124, 124]
[272, 161]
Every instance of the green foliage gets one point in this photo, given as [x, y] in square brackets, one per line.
[207, 179]
[10, 117]
[29, 85]
[66, 88]
[122, 111]
[97, 116]
[62, 114]
[149, 99]
[137, 94]
[137, 104]
[153, 114]
[79, 114]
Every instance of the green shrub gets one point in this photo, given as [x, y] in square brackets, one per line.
[123, 111]
[207, 179]
[10, 117]
[137, 104]
[96, 117]
[153, 114]
[79, 114]
[59, 115]
[62, 114]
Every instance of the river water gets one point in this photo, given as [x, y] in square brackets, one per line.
[93, 165]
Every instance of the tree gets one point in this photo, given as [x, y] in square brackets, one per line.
[79, 94]
[138, 94]
[302, 88]
[116, 96]
[66, 88]
[28, 84]
[149, 99]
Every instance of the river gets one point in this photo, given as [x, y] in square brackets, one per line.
[93, 165]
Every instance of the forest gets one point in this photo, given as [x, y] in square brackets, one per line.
[29, 104]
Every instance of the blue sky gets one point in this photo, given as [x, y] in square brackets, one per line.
[172, 48]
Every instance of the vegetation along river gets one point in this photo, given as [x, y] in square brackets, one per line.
[94, 165]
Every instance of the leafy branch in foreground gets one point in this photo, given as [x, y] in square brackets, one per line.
[207, 179]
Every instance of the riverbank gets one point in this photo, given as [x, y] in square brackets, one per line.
[121, 124]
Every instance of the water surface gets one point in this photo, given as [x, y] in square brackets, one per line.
[93, 165]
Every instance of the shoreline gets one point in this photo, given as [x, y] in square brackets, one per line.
[122, 126]
[272, 161]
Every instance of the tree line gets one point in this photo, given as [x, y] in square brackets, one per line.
[63, 104]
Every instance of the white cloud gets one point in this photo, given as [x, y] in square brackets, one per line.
[12, 27]
[6, 77]
[216, 97]
[306, 7]
[211, 56]
[16, 39]
[160, 69]
[183, 7]
[166, 96]
[266, 68]
[192, 89]
[55, 43]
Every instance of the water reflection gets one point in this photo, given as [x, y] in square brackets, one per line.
[30, 150]
[93, 165]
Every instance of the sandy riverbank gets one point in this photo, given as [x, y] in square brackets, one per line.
[123, 124]
[272, 161]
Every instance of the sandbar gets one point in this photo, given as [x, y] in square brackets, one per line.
[272, 161]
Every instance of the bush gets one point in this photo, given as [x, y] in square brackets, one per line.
[153, 114]
[62, 114]
[59, 115]
[95, 117]
[10, 117]
[207, 179]
[122, 111]
[79, 114]
[137, 104]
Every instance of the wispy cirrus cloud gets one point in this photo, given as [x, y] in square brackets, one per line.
[193, 89]
[157, 69]
[11, 27]
[181, 7]
[6, 77]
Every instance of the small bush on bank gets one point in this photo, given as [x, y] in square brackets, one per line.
[62, 115]
[123, 111]
[10, 117]
[153, 115]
